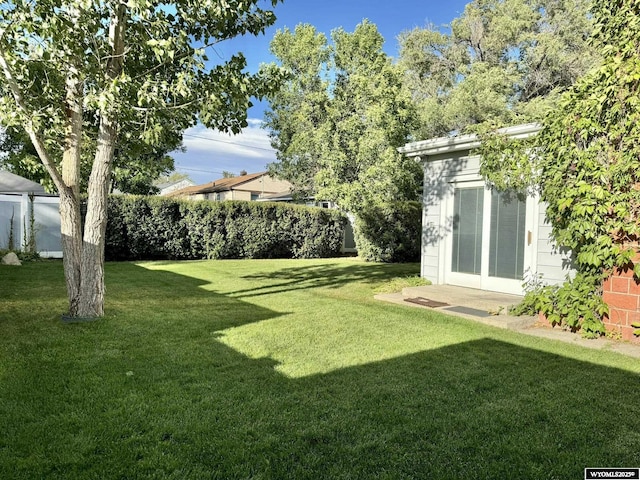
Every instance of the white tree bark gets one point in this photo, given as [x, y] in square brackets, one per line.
[91, 301]
[70, 218]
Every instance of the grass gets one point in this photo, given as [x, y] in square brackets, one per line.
[290, 370]
[398, 283]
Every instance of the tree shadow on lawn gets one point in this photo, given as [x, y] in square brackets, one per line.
[323, 275]
[479, 409]
[162, 296]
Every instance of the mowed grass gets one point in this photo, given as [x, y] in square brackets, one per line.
[291, 370]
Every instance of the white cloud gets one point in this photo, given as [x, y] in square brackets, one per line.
[252, 142]
[209, 152]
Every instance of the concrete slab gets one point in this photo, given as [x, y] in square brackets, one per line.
[493, 302]
[495, 320]
[602, 343]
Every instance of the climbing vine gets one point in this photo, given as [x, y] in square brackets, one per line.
[585, 162]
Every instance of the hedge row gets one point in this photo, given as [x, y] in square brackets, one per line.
[156, 228]
[390, 233]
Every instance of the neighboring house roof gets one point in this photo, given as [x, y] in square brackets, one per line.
[12, 183]
[222, 185]
[168, 187]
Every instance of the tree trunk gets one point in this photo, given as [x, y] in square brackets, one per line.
[91, 301]
[70, 218]
[92, 267]
[71, 228]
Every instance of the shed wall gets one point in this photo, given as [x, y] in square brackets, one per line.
[442, 173]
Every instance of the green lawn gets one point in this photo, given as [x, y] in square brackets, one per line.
[272, 369]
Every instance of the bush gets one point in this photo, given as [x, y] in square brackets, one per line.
[151, 228]
[390, 233]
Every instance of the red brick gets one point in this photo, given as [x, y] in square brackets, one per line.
[634, 286]
[621, 300]
[633, 317]
[628, 334]
[606, 285]
[620, 285]
[616, 317]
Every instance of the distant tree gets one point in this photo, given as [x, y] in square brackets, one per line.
[243, 173]
[339, 118]
[299, 109]
[336, 126]
[130, 70]
[226, 174]
[502, 62]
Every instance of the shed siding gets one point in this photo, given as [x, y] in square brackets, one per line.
[443, 173]
[440, 174]
[552, 264]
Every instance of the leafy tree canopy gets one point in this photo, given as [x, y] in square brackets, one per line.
[98, 79]
[502, 62]
[136, 166]
[339, 118]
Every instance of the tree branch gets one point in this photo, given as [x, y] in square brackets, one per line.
[37, 140]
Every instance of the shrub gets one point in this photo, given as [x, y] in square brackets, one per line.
[390, 233]
[145, 228]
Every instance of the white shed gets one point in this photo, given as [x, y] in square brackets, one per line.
[474, 236]
[16, 197]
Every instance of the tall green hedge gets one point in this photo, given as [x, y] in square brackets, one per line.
[152, 228]
[390, 232]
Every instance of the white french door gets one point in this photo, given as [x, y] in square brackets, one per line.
[491, 239]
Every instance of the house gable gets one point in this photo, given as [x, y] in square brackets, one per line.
[246, 187]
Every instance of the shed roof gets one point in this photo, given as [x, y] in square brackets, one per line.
[12, 183]
[435, 146]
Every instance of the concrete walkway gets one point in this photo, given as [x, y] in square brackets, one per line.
[492, 308]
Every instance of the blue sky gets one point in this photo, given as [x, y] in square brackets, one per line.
[209, 153]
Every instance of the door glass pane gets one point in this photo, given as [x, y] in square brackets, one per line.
[506, 255]
[10, 223]
[47, 226]
[467, 230]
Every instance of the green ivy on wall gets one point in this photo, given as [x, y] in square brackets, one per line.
[585, 163]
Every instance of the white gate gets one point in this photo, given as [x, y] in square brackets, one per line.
[15, 223]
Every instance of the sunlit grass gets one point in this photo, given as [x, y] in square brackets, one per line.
[290, 369]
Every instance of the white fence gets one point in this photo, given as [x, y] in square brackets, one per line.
[16, 208]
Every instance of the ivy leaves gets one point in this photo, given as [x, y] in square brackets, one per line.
[586, 164]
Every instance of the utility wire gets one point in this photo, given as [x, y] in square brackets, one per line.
[230, 143]
[178, 167]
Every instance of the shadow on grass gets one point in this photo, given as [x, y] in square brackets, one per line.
[155, 395]
[167, 296]
[324, 275]
[482, 409]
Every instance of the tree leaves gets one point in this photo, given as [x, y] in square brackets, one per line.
[503, 62]
[340, 117]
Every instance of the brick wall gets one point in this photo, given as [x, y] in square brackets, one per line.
[621, 292]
